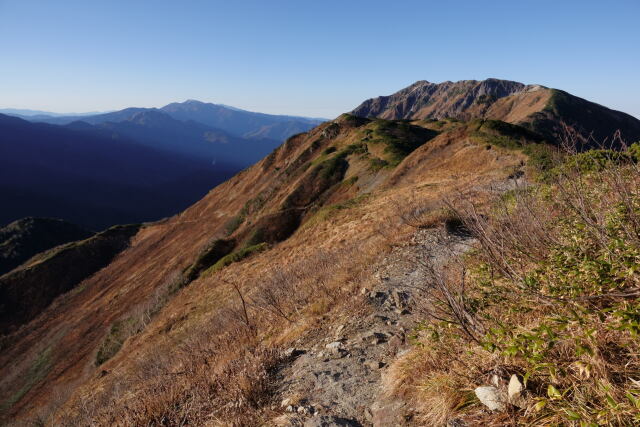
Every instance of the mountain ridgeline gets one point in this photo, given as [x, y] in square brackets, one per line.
[278, 295]
[535, 107]
[234, 121]
[27, 237]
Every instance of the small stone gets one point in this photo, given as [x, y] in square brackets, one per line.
[515, 392]
[334, 345]
[400, 298]
[375, 337]
[379, 297]
[285, 402]
[491, 397]
[515, 386]
[291, 408]
[368, 414]
[495, 380]
[339, 329]
[336, 349]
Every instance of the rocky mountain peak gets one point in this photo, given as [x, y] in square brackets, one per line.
[541, 109]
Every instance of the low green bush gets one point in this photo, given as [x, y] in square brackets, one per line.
[236, 256]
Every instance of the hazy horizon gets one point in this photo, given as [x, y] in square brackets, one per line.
[303, 59]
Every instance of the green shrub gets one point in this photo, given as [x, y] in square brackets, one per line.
[236, 256]
[400, 138]
[206, 258]
[333, 166]
[118, 333]
[233, 224]
[329, 211]
[554, 294]
[375, 164]
[634, 151]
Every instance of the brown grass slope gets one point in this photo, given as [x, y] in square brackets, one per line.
[325, 204]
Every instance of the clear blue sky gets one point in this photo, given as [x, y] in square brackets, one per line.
[314, 58]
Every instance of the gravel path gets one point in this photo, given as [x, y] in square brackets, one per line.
[335, 380]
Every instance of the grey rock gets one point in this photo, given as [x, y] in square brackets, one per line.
[375, 337]
[334, 345]
[378, 297]
[491, 397]
[400, 299]
[515, 391]
[304, 410]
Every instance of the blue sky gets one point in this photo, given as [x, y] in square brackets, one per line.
[314, 58]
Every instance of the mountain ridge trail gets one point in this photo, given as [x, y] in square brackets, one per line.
[339, 380]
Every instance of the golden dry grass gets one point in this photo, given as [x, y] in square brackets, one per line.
[197, 359]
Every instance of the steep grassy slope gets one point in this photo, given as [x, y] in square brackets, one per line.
[26, 237]
[541, 109]
[299, 232]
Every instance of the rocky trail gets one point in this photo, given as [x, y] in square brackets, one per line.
[335, 377]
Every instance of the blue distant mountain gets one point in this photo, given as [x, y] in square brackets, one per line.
[35, 113]
[234, 121]
[240, 122]
[157, 129]
[95, 177]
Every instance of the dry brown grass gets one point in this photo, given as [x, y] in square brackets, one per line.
[551, 295]
[203, 341]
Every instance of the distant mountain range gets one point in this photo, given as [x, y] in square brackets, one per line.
[132, 165]
[21, 112]
[87, 177]
[237, 122]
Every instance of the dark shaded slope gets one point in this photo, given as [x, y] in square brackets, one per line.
[26, 291]
[590, 119]
[94, 180]
[26, 237]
